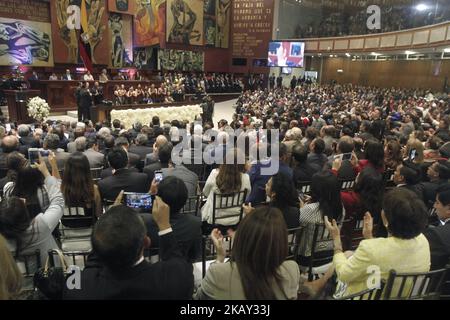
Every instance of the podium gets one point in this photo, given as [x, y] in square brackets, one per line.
[17, 104]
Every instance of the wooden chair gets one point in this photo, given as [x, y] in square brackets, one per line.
[415, 286]
[191, 206]
[96, 174]
[369, 294]
[228, 201]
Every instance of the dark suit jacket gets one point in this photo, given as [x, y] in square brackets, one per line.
[170, 279]
[123, 179]
[141, 151]
[430, 191]
[439, 239]
[316, 161]
[187, 229]
[108, 172]
[133, 160]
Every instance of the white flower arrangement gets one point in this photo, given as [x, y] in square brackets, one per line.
[38, 108]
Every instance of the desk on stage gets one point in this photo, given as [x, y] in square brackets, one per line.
[17, 104]
[60, 94]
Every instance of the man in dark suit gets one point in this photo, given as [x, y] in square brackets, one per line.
[122, 178]
[25, 139]
[346, 171]
[279, 81]
[164, 155]
[117, 269]
[439, 237]
[86, 100]
[140, 147]
[408, 175]
[439, 174]
[51, 143]
[68, 76]
[133, 158]
[153, 157]
[186, 227]
[9, 144]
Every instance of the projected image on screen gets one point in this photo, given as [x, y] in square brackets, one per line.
[286, 54]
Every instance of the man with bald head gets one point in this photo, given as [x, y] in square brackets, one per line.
[9, 144]
[153, 157]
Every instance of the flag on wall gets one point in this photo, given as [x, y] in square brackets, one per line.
[83, 41]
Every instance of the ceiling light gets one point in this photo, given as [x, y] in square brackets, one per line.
[348, 54]
[375, 54]
[421, 7]
[447, 50]
[407, 52]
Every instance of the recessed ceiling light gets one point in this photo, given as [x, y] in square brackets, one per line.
[447, 50]
[410, 52]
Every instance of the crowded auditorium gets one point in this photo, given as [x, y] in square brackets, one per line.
[224, 150]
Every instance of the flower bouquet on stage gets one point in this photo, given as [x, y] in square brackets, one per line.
[38, 109]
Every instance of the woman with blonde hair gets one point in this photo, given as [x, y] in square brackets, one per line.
[10, 276]
[414, 151]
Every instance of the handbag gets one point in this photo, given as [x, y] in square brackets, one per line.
[51, 280]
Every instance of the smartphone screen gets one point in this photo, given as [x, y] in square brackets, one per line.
[33, 155]
[412, 154]
[158, 176]
[347, 156]
[8, 127]
[141, 201]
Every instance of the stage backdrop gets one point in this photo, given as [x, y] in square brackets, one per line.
[65, 39]
[122, 6]
[25, 33]
[145, 58]
[180, 60]
[149, 22]
[185, 21]
[121, 40]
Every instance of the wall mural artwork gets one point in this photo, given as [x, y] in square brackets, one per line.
[223, 11]
[145, 58]
[121, 41]
[180, 60]
[121, 6]
[209, 22]
[66, 23]
[25, 42]
[185, 21]
[149, 22]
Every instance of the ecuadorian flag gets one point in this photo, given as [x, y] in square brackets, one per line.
[83, 41]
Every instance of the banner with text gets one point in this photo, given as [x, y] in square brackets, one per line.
[251, 27]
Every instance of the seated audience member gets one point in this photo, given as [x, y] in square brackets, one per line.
[302, 170]
[282, 194]
[346, 171]
[258, 269]
[432, 148]
[439, 174]
[9, 144]
[317, 159]
[29, 184]
[153, 157]
[78, 187]
[51, 142]
[164, 155]
[392, 154]
[140, 147]
[25, 138]
[405, 250]
[117, 269]
[310, 134]
[327, 133]
[26, 231]
[181, 172]
[95, 158]
[373, 156]
[10, 277]
[15, 162]
[133, 159]
[439, 237]
[408, 175]
[228, 178]
[325, 201]
[187, 228]
[122, 178]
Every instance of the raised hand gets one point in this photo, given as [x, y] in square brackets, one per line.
[368, 226]
[217, 239]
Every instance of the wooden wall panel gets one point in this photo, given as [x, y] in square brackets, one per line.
[405, 74]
